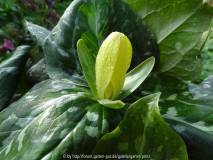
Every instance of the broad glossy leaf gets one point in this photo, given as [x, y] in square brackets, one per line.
[136, 76]
[143, 132]
[26, 82]
[187, 109]
[38, 31]
[54, 118]
[56, 70]
[36, 73]
[10, 71]
[88, 66]
[36, 54]
[61, 71]
[93, 21]
[181, 28]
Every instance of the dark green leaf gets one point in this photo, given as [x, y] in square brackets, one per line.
[27, 80]
[61, 71]
[56, 70]
[187, 109]
[54, 118]
[36, 54]
[143, 132]
[40, 32]
[10, 71]
[36, 73]
[181, 28]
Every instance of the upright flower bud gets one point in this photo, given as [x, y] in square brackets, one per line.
[113, 60]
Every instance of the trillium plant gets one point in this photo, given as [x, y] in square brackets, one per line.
[115, 82]
[107, 77]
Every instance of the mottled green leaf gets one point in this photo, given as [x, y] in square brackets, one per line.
[54, 118]
[93, 21]
[36, 54]
[181, 28]
[56, 70]
[61, 71]
[38, 31]
[88, 66]
[27, 80]
[10, 72]
[188, 110]
[36, 73]
[143, 132]
[136, 76]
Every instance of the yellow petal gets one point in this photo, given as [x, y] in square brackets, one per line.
[129, 51]
[108, 93]
[113, 60]
[119, 73]
[105, 62]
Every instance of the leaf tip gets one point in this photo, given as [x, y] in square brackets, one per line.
[80, 41]
[157, 95]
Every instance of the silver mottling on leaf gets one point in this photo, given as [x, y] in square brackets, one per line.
[179, 128]
[91, 116]
[63, 53]
[22, 122]
[31, 97]
[11, 118]
[198, 96]
[66, 23]
[8, 148]
[171, 112]
[202, 126]
[206, 86]
[172, 97]
[92, 131]
[21, 138]
[72, 109]
[186, 93]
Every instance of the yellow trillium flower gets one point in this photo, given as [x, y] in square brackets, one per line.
[113, 61]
